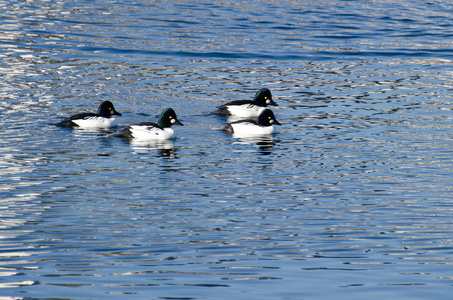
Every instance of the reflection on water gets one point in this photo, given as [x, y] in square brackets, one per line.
[264, 143]
[155, 144]
[165, 147]
[350, 197]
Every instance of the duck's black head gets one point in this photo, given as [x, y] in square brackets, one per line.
[168, 118]
[264, 98]
[106, 109]
[267, 118]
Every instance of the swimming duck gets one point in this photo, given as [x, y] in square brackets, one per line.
[247, 108]
[249, 127]
[101, 119]
[152, 131]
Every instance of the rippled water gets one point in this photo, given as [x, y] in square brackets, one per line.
[350, 199]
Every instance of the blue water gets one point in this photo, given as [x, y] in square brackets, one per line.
[350, 199]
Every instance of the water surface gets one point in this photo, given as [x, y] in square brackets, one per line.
[349, 199]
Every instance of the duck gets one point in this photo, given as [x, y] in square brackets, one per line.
[245, 109]
[250, 127]
[101, 119]
[148, 131]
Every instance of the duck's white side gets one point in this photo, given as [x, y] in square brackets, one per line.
[248, 129]
[95, 122]
[145, 133]
[245, 111]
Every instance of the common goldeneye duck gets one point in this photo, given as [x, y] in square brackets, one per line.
[147, 131]
[101, 119]
[247, 108]
[249, 127]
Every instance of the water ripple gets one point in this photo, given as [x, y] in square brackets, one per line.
[350, 197]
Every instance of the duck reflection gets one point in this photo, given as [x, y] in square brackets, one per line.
[264, 142]
[165, 147]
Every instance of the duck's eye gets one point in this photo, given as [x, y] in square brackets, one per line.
[170, 117]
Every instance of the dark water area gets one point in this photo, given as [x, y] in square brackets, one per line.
[350, 198]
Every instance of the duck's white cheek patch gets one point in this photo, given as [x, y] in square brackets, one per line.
[271, 121]
[268, 101]
[173, 121]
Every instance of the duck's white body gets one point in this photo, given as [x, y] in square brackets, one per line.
[95, 122]
[147, 133]
[249, 129]
[245, 111]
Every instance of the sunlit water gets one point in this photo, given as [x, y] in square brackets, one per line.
[350, 199]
